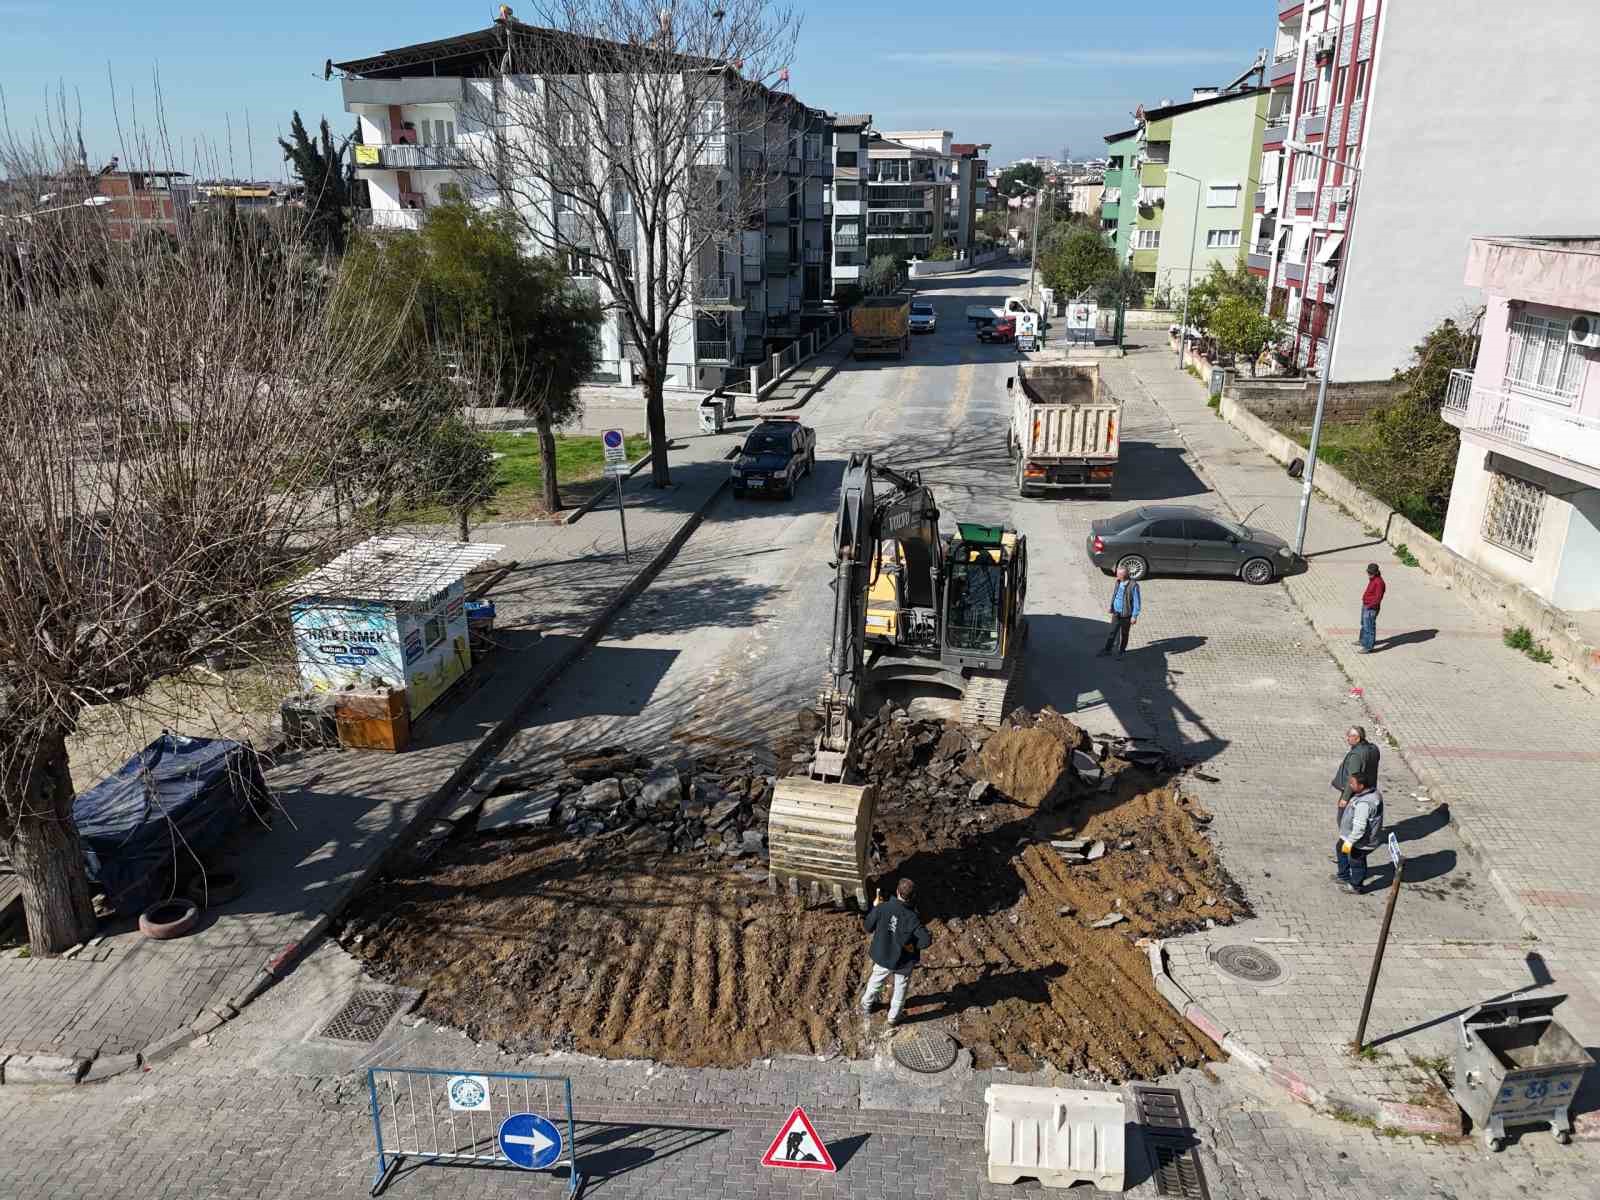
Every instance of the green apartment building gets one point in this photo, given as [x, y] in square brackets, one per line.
[1202, 153]
[1121, 185]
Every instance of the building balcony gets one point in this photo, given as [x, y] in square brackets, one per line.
[1314, 123]
[791, 164]
[848, 208]
[1305, 197]
[390, 218]
[750, 161]
[1275, 133]
[900, 231]
[1283, 68]
[1542, 432]
[779, 262]
[814, 256]
[712, 351]
[778, 214]
[1294, 274]
[405, 156]
[750, 270]
[813, 210]
[847, 174]
[717, 154]
[716, 292]
[1261, 199]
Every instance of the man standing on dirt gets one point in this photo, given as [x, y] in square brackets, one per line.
[1371, 602]
[898, 939]
[1124, 613]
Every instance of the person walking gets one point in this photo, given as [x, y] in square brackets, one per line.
[898, 939]
[1371, 602]
[1124, 613]
[1360, 758]
[1360, 831]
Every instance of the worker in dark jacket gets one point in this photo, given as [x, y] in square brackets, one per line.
[898, 939]
[1360, 759]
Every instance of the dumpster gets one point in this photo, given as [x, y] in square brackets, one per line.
[1517, 1065]
[712, 415]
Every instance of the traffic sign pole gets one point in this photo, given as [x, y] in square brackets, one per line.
[1383, 940]
[614, 442]
[622, 519]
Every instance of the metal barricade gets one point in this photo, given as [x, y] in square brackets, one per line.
[445, 1116]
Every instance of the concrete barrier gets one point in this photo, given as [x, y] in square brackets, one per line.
[1058, 1136]
[1509, 601]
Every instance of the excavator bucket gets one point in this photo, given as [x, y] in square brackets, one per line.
[818, 835]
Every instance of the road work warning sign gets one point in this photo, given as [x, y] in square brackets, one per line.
[797, 1145]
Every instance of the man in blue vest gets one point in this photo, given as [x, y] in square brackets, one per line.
[1124, 613]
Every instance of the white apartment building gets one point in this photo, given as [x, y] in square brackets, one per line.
[422, 111]
[851, 132]
[908, 190]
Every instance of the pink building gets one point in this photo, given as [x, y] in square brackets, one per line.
[1526, 498]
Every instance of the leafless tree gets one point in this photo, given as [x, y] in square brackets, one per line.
[172, 421]
[641, 141]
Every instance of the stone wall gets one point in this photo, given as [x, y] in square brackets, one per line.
[1285, 402]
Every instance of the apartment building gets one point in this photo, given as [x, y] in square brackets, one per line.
[908, 190]
[969, 193]
[1084, 194]
[851, 133]
[1525, 503]
[1120, 190]
[425, 112]
[1432, 102]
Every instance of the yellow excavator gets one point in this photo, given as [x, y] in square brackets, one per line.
[913, 611]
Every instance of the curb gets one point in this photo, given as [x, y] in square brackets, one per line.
[812, 390]
[53, 1071]
[593, 502]
[1390, 1115]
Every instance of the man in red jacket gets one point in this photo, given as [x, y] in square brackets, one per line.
[1371, 602]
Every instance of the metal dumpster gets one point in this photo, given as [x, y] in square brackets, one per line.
[712, 415]
[1517, 1065]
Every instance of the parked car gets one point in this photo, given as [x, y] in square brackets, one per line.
[1001, 330]
[775, 454]
[923, 317]
[1177, 539]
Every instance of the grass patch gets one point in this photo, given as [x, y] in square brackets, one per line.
[1368, 1053]
[1190, 368]
[1215, 403]
[518, 491]
[1521, 638]
[1403, 553]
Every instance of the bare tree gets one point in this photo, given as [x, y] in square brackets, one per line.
[171, 424]
[640, 143]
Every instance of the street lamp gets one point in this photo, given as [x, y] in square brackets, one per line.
[1333, 331]
[1194, 235]
[1033, 239]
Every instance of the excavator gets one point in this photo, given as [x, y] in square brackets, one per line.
[913, 610]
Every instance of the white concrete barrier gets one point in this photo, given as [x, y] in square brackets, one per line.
[1055, 1135]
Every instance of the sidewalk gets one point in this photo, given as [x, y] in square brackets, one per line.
[1477, 740]
[343, 812]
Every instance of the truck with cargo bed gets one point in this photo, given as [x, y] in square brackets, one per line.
[983, 314]
[1065, 429]
[881, 325]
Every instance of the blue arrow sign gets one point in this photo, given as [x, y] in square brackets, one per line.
[529, 1141]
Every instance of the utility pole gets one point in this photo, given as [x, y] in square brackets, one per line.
[1033, 241]
[1194, 234]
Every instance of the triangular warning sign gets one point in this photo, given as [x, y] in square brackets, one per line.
[797, 1145]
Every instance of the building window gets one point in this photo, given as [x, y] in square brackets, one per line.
[1361, 80]
[1221, 239]
[847, 191]
[1222, 195]
[580, 263]
[1540, 360]
[847, 158]
[433, 631]
[1147, 239]
[1308, 96]
[1340, 78]
[1511, 518]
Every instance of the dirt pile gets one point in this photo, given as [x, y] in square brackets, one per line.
[656, 937]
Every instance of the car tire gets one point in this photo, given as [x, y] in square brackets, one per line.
[1138, 566]
[1022, 489]
[788, 488]
[168, 919]
[1257, 571]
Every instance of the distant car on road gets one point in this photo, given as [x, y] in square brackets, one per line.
[775, 454]
[1177, 539]
[1002, 330]
[923, 317]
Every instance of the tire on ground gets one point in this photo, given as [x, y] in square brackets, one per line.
[168, 919]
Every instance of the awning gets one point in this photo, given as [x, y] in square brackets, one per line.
[1329, 249]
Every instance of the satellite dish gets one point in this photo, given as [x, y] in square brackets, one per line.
[327, 69]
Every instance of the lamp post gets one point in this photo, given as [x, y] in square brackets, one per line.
[1033, 238]
[1194, 234]
[1327, 363]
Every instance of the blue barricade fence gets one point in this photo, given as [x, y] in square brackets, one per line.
[444, 1116]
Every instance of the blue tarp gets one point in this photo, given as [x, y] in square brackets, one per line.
[176, 795]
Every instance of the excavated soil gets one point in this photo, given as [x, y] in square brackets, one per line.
[546, 941]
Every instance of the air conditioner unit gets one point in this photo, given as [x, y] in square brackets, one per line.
[1585, 331]
[1323, 43]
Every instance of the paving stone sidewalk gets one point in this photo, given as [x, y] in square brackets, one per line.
[341, 811]
[1479, 744]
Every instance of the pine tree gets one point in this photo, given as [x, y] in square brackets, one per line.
[328, 183]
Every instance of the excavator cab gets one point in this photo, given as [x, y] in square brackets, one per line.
[985, 583]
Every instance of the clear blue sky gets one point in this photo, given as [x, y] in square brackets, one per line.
[1030, 84]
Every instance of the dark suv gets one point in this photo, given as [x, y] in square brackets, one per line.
[775, 454]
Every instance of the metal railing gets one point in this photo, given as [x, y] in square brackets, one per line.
[847, 241]
[711, 351]
[1499, 411]
[791, 165]
[1457, 393]
[1277, 130]
[406, 156]
[750, 270]
[715, 154]
[714, 288]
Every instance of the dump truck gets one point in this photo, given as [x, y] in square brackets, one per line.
[881, 325]
[1065, 428]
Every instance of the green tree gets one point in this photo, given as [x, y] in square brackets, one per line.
[1030, 174]
[1240, 328]
[884, 275]
[943, 252]
[1124, 289]
[1077, 259]
[1218, 285]
[511, 328]
[328, 181]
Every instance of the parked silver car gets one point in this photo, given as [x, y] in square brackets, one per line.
[1177, 539]
[924, 319]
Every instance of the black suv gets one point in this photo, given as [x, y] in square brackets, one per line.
[774, 456]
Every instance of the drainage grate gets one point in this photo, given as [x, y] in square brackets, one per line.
[926, 1051]
[1249, 963]
[1171, 1142]
[366, 1015]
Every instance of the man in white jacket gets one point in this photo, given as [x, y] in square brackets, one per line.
[1360, 831]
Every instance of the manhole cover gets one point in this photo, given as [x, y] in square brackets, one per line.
[927, 1051]
[1249, 963]
[365, 1015]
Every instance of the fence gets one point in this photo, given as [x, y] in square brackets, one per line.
[442, 1116]
[761, 377]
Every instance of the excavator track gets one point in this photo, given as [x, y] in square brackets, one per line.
[990, 695]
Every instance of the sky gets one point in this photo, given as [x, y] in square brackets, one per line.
[1030, 77]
